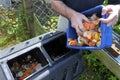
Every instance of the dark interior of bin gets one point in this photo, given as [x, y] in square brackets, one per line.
[114, 52]
[27, 63]
[57, 47]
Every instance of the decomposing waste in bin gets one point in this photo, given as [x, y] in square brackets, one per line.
[26, 64]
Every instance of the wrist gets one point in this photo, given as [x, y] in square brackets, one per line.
[71, 13]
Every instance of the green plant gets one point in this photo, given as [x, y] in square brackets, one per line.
[116, 28]
[12, 29]
[51, 24]
[105, 2]
[38, 26]
[94, 69]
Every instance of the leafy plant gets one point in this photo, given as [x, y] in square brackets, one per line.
[51, 24]
[12, 29]
[105, 2]
[116, 28]
[94, 69]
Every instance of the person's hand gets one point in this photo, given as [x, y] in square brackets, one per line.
[113, 11]
[77, 22]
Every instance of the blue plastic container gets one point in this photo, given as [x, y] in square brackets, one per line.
[106, 38]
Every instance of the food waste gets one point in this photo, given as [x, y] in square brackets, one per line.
[91, 36]
[25, 68]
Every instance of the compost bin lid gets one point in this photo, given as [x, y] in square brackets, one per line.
[23, 45]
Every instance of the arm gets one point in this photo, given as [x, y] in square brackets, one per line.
[62, 9]
[75, 17]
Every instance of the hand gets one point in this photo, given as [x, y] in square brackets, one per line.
[113, 11]
[76, 22]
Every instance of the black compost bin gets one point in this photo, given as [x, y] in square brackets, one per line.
[44, 57]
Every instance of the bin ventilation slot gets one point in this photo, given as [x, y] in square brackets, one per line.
[57, 47]
[40, 37]
[51, 34]
[27, 63]
[11, 49]
[27, 42]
